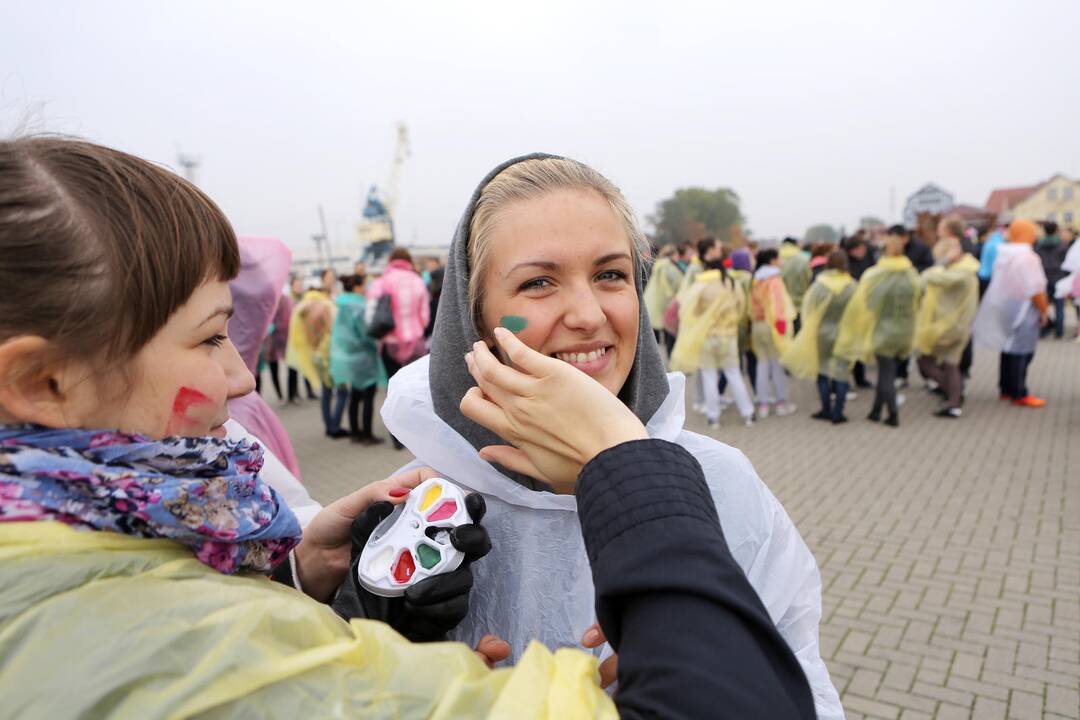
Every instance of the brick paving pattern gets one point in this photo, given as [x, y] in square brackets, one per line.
[949, 549]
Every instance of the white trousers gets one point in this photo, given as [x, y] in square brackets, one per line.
[771, 371]
[710, 378]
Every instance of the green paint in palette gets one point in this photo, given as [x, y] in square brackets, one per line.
[514, 323]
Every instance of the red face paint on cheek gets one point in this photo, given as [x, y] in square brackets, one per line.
[185, 398]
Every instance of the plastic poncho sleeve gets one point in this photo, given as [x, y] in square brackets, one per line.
[801, 356]
[948, 307]
[880, 319]
[97, 624]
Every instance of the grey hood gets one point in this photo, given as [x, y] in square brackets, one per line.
[644, 391]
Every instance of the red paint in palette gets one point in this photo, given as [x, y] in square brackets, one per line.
[185, 398]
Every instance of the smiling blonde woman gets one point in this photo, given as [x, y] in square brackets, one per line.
[549, 248]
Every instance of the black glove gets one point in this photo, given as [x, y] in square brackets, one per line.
[430, 608]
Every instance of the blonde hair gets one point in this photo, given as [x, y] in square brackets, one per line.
[531, 179]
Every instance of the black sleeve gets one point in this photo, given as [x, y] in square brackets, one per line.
[694, 640]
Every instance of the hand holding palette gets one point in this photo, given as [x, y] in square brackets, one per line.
[413, 543]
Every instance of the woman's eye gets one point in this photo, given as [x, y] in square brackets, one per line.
[535, 284]
[610, 275]
[215, 340]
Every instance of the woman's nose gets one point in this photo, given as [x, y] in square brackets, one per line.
[240, 380]
[583, 311]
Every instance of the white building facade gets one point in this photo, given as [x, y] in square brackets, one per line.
[929, 198]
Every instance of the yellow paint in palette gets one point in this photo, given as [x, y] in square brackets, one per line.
[430, 497]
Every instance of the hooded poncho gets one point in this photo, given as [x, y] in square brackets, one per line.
[663, 283]
[536, 582]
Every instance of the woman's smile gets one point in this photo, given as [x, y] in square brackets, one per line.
[591, 359]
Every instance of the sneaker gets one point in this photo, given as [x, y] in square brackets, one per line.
[900, 399]
[852, 395]
[713, 424]
[948, 412]
[931, 386]
[874, 416]
[762, 411]
[337, 434]
[1029, 401]
[699, 408]
[785, 409]
[892, 421]
[839, 420]
[822, 415]
[748, 421]
[725, 402]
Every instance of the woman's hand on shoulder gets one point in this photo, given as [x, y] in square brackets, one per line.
[324, 554]
[556, 417]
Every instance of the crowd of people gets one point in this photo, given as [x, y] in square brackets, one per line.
[159, 557]
[158, 548]
[324, 335]
[826, 312]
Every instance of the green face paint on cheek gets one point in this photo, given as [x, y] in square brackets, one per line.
[514, 323]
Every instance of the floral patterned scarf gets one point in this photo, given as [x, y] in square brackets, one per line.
[202, 492]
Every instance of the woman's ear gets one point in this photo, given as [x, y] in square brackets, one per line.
[33, 389]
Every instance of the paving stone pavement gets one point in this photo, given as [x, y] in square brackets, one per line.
[949, 549]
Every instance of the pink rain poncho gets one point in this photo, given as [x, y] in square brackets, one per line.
[256, 291]
[412, 310]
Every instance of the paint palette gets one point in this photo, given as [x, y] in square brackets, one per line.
[413, 543]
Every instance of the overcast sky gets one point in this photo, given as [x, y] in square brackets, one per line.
[810, 111]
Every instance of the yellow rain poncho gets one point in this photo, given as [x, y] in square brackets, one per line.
[96, 624]
[311, 320]
[949, 304]
[694, 269]
[880, 319]
[744, 279]
[811, 352]
[795, 269]
[709, 316]
[769, 303]
[660, 291]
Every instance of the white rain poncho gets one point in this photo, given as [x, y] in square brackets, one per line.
[536, 581]
[1007, 320]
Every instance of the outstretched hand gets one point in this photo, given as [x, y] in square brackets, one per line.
[556, 417]
[325, 550]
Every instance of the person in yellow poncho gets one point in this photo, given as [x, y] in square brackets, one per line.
[810, 354]
[664, 281]
[707, 250]
[709, 317]
[740, 268]
[879, 323]
[795, 269]
[772, 315]
[309, 352]
[943, 329]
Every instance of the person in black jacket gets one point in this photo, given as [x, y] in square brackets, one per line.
[917, 251]
[690, 643]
